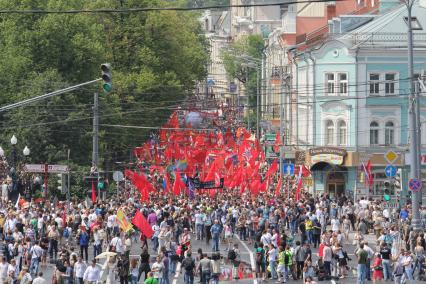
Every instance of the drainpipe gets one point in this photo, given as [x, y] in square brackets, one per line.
[314, 106]
[307, 99]
[356, 119]
[296, 83]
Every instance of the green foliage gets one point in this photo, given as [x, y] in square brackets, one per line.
[156, 59]
[242, 61]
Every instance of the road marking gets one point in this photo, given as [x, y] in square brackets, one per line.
[253, 265]
[175, 278]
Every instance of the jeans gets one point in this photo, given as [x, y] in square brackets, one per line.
[368, 269]
[134, 279]
[84, 249]
[361, 273]
[97, 249]
[35, 262]
[273, 265]
[215, 244]
[188, 277]
[205, 277]
[327, 267]
[79, 280]
[293, 226]
[243, 233]
[165, 279]
[387, 273]
[172, 267]
[310, 235]
[154, 241]
[287, 271]
[53, 248]
[408, 275]
[199, 228]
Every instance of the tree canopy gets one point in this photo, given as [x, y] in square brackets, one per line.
[156, 59]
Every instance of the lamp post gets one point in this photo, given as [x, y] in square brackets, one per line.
[413, 119]
[13, 141]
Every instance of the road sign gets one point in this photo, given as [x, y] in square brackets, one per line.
[391, 156]
[232, 87]
[40, 168]
[117, 176]
[390, 171]
[288, 169]
[415, 185]
[210, 82]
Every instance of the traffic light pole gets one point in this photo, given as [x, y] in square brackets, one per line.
[95, 154]
[48, 95]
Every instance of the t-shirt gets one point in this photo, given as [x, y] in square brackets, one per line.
[385, 253]
[362, 256]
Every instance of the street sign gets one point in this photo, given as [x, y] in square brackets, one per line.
[210, 82]
[391, 156]
[40, 168]
[117, 176]
[415, 185]
[288, 169]
[390, 171]
[232, 87]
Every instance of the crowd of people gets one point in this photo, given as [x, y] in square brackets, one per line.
[313, 239]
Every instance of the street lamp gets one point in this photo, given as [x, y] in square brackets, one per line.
[13, 140]
[26, 151]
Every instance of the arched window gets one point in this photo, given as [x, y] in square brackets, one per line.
[389, 133]
[329, 133]
[374, 133]
[342, 133]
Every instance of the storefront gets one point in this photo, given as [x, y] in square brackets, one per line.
[336, 172]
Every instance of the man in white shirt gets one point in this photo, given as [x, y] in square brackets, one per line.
[118, 244]
[39, 279]
[92, 273]
[79, 269]
[36, 254]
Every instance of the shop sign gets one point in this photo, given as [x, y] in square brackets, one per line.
[329, 155]
[423, 159]
[300, 157]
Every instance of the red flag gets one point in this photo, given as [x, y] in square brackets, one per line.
[178, 185]
[277, 143]
[142, 224]
[273, 169]
[277, 189]
[93, 192]
[368, 175]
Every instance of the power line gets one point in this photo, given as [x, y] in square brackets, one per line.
[153, 9]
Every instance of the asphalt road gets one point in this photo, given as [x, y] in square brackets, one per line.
[247, 258]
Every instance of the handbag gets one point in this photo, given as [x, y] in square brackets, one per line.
[378, 268]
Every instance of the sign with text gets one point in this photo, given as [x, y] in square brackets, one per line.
[41, 168]
[331, 155]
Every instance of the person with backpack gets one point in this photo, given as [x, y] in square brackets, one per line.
[234, 257]
[188, 265]
[83, 242]
[260, 262]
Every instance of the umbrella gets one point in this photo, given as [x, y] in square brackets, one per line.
[105, 254]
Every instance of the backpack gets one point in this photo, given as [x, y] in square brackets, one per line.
[259, 257]
[232, 255]
[66, 233]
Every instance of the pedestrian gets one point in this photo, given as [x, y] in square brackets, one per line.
[205, 266]
[150, 279]
[92, 273]
[362, 257]
[39, 279]
[216, 231]
[134, 271]
[83, 242]
[123, 267]
[260, 262]
[144, 264]
[188, 265]
[386, 256]
[157, 268]
[377, 267]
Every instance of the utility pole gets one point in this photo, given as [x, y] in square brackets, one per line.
[95, 154]
[69, 176]
[258, 102]
[413, 107]
[281, 108]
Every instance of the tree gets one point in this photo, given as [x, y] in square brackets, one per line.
[242, 61]
[156, 58]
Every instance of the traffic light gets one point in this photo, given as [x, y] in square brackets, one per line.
[106, 77]
[386, 195]
[101, 185]
[61, 183]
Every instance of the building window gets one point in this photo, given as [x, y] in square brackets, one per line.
[390, 83]
[374, 133]
[342, 132]
[343, 83]
[389, 133]
[374, 83]
[330, 83]
[329, 138]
